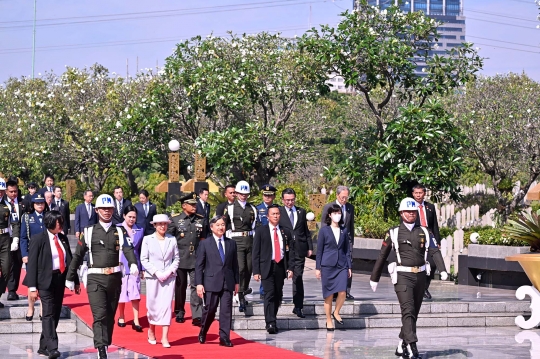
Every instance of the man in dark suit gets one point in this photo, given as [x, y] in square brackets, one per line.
[294, 219]
[49, 185]
[119, 204]
[14, 202]
[203, 208]
[272, 247]
[347, 210]
[27, 199]
[62, 206]
[427, 217]
[229, 193]
[85, 215]
[217, 278]
[50, 256]
[146, 210]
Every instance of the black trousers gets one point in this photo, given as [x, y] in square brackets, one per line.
[298, 282]
[349, 280]
[433, 269]
[212, 300]
[103, 295]
[51, 302]
[15, 274]
[5, 261]
[273, 291]
[244, 247]
[410, 292]
[180, 287]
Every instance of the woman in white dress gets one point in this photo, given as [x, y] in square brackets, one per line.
[159, 257]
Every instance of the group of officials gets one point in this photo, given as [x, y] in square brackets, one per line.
[267, 241]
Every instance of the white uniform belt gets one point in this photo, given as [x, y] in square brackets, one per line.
[411, 269]
[4, 230]
[107, 271]
[241, 234]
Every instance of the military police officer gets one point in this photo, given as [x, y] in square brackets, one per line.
[411, 244]
[189, 228]
[269, 194]
[7, 227]
[103, 242]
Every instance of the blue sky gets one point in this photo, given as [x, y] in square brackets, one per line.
[498, 26]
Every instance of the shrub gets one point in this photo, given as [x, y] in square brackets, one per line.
[490, 236]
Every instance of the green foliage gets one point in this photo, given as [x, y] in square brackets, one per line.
[485, 201]
[374, 225]
[491, 236]
[446, 231]
[526, 228]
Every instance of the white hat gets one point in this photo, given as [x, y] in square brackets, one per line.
[160, 218]
[242, 187]
[408, 204]
[2, 184]
[104, 201]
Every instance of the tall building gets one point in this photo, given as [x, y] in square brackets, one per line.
[449, 12]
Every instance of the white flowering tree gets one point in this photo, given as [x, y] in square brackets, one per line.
[236, 97]
[501, 117]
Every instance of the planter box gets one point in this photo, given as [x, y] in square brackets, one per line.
[488, 262]
[365, 253]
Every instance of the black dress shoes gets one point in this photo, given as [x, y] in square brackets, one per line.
[180, 319]
[348, 296]
[196, 322]
[43, 352]
[414, 352]
[202, 337]
[136, 328]
[402, 350]
[54, 354]
[121, 324]
[242, 306]
[102, 352]
[248, 291]
[427, 294]
[225, 343]
[12, 296]
[271, 329]
[298, 312]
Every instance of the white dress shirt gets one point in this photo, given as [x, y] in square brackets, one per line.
[409, 226]
[105, 226]
[217, 242]
[280, 241]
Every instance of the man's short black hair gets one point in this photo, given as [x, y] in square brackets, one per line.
[144, 192]
[288, 191]
[419, 186]
[273, 205]
[51, 217]
[203, 189]
[11, 183]
[118, 187]
[86, 192]
[49, 176]
[55, 187]
[228, 186]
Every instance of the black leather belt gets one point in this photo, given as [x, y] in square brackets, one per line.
[56, 271]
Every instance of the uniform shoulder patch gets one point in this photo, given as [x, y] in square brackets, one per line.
[175, 214]
[199, 215]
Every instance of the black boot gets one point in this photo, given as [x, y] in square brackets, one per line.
[402, 350]
[102, 352]
[414, 351]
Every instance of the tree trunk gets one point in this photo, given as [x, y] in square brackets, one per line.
[131, 182]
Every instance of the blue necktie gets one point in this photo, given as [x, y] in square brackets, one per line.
[221, 251]
[291, 218]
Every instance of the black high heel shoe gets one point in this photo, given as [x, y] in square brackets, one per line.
[121, 325]
[339, 321]
[136, 328]
[29, 318]
[329, 329]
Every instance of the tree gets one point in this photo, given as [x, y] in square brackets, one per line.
[501, 117]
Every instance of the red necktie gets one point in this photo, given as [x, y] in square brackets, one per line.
[277, 248]
[423, 221]
[60, 254]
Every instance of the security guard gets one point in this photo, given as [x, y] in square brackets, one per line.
[103, 242]
[242, 219]
[189, 228]
[6, 226]
[410, 242]
[269, 194]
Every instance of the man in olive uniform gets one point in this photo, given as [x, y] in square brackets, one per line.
[103, 242]
[13, 201]
[242, 218]
[8, 229]
[189, 228]
[411, 243]
[269, 194]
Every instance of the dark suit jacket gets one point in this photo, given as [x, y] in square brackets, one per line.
[143, 221]
[210, 271]
[432, 222]
[119, 218]
[330, 253]
[45, 189]
[15, 226]
[262, 250]
[301, 234]
[81, 217]
[220, 208]
[39, 266]
[349, 218]
[205, 212]
[64, 210]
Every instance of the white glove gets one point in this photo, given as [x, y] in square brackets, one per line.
[373, 285]
[83, 273]
[70, 285]
[444, 276]
[133, 270]
[15, 244]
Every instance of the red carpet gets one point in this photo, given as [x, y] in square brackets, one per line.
[182, 337]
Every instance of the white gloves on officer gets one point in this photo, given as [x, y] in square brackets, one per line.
[444, 276]
[133, 270]
[373, 285]
[70, 285]
[15, 244]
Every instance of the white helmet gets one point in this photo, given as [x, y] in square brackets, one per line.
[2, 184]
[242, 187]
[407, 204]
[104, 201]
